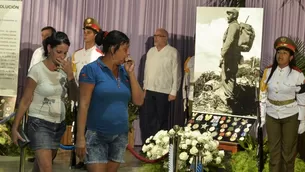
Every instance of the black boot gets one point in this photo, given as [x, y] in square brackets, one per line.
[32, 159]
[80, 165]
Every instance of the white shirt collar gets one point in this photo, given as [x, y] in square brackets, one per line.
[90, 49]
[285, 69]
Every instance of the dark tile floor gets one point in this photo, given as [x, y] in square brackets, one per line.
[61, 163]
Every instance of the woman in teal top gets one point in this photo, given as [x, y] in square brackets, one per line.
[106, 87]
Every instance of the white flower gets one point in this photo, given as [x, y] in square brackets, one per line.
[171, 132]
[221, 153]
[184, 146]
[218, 160]
[165, 140]
[144, 148]
[207, 146]
[148, 139]
[191, 160]
[213, 145]
[160, 134]
[187, 129]
[166, 147]
[154, 150]
[188, 142]
[207, 153]
[151, 145]
[158, 141]
[208, 158]
[159, 152]
[201, 139]
[187, 134]
[196, 134]
[183, 156]
[165, 151]
[194, 142]
[217, 143]
[194, 150]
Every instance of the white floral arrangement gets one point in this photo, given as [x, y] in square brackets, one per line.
[156, 146]
[192, 142]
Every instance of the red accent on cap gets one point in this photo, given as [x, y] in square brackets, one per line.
[95, 27]
[289, 46]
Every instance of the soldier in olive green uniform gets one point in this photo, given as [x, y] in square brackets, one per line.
[230, 57]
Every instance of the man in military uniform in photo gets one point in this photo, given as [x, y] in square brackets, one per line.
[230, 58]
[86, 55]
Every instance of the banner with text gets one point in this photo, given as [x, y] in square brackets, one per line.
[10, 31]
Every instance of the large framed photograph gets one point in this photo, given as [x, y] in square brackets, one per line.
[227, 60]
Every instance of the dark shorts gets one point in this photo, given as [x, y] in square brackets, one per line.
[102, 148]
[44, 134]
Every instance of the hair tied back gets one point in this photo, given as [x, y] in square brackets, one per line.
[105, 34]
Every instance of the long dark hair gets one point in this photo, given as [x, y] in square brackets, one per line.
[55, 39]
[114, 39]
[291, 64]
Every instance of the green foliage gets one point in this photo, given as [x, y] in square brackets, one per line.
[133, 113]
[228, 3]
[200, 82]
[7, 148]
[300, 54]
[247, 67]
[246, 161]
[299, 165]
[155, 167]
[69, 113]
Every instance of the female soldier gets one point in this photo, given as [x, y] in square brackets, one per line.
[282, 106]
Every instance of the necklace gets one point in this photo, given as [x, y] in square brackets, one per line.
[118, 79]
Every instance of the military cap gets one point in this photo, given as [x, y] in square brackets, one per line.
[91, 23]
[285, 42]
[233, 11]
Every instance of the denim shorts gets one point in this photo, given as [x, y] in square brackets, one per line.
[104, 147]
[44, 134]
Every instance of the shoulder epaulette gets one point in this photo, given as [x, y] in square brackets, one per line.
[270, 66]
[73, 63]
[186, 69]
[297, 69]
[78, 49]
[98, 50]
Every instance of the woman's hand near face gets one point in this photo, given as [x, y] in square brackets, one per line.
[66, 66]
[129, 65]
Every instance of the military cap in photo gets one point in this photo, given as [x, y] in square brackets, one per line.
[285, 42]
[233, 11]
[91, 23]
